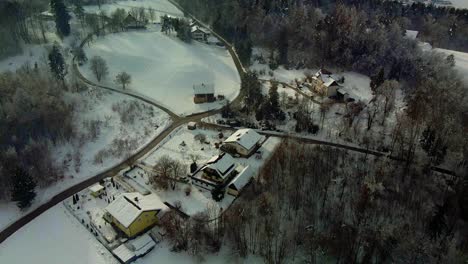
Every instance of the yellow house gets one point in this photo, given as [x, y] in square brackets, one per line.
[133, 213]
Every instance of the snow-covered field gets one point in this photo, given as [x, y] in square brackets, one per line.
[165, 69]
[151, 122]
[461, 60]
[161, 7]
[55, 237]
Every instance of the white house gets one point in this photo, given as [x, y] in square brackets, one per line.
[243, 141]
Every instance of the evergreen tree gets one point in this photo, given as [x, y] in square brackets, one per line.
[244, 50]
[251, 90]
[274, 99]
[23, 188]
[62, 18]
[283, 46]
[57, 63]
[377, 80]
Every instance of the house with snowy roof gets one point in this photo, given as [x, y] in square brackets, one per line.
[199, 33]
[216, 173]
[324, 83]
[243, 142]
[133, 213]
[204, 93]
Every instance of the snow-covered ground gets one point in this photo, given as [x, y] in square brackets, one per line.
[175, 148]
[460, 3]
[461, 60]
[357, 85]
[161, 7]
[165, 69]
[31, 54]
[97, 106]
[55, 237]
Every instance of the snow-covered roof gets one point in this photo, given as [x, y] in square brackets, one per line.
[197, 28]
[141, 245]
[192, 124]
[411, 34]
[223, 164]
[134, 248]
[204, 88]
[96, 188]
[351, 94]
[247, 138]
[326, 77]
[242, 178]
[128, 206]
[123, 253]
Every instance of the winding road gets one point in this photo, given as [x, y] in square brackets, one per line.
[176, 122]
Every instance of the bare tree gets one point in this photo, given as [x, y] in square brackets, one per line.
[99, 68]
[123, 79]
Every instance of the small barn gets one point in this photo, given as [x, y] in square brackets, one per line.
[243, 142]
[133, 213]
[204, 93]
[200, 34]
[192, 125]
[96, 190]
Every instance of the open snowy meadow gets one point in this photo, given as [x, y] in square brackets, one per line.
[165, 69]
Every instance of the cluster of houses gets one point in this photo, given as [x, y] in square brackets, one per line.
[134, 215]
[222, 172]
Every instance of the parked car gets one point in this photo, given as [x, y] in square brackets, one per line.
[233, 123]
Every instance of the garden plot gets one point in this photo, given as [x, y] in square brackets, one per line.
[165, 69]
[161, 7]
[183, 146]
